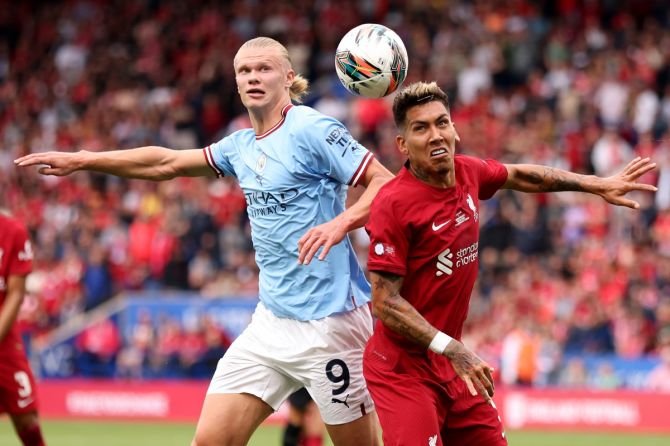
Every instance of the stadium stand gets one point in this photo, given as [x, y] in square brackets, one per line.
[579, 85]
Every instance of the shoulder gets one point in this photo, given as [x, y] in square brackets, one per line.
[306, 117]
[238, 138]
[239, 135]
[394, 192]
[469, 165]
[467, 161]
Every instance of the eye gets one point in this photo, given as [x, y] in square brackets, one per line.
[443, 123]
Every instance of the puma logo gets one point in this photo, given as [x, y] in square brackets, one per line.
[335, 400]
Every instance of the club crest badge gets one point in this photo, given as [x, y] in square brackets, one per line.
[261, 163]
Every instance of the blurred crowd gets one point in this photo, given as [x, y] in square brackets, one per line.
[582, 85]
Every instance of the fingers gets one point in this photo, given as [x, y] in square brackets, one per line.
[326, 249]
[314, 247]
[626, 203]
[471, 387]
[304, 246]
[31, 160]
[308, 246]
[486, 380]
[638, 168]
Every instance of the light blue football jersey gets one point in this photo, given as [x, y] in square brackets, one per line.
[294, 177]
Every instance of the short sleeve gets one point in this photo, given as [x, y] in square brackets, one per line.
[492, 176]
[21, 256]
[333, 149]
[389, 239]
[218, 159]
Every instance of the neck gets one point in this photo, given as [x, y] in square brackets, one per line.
[442, 178]
[264, 119]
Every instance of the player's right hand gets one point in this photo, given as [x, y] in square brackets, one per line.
[476, 373]
[53, 163]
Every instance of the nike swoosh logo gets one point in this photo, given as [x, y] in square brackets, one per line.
[24, 403]
[438, 227]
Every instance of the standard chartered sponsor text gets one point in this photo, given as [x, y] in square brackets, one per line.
[467, 255]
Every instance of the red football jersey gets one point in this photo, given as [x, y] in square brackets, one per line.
[16, 259]
[430, 236]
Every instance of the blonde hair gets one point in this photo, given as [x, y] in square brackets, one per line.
[417, 93]
[300, 85]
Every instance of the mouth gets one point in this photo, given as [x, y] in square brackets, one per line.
[255, 93]
[436, 153]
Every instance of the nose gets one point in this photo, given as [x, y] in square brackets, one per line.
[435, 134]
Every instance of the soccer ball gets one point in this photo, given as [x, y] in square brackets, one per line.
[371, 61]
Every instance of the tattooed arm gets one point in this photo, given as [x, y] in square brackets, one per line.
[400, 316]
[534, 178]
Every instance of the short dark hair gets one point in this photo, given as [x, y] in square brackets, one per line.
[414, 94]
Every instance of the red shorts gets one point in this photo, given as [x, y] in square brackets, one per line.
[414, 409]
[17, 384]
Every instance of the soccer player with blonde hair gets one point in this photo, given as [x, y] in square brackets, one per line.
[313, 320]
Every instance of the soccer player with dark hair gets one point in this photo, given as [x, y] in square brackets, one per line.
[424, 235]
[17, 384]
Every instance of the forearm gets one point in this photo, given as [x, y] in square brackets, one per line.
[535, 178]
[9, 311]
[398, 314]
[149, 163]
[357, 214]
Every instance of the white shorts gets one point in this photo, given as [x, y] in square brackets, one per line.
[276, 356]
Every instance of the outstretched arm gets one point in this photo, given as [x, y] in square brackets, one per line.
[149, 163]
[534, 178]
[333, 231]
[400, 316]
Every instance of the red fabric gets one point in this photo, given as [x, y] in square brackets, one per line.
[17, 384]
[16, 259]
[439, 265]
[412, 408]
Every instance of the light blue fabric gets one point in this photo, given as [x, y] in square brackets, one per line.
[294, 178]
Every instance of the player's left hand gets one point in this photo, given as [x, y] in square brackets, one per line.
[476, 373]
[613, 189]
[325, 235]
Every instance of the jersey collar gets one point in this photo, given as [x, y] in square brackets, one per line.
[284, 111]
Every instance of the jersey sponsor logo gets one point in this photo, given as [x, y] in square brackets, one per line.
[461, 218]
[27, 253]
[440, 226]
[262, 203]
[432, 441]
[446, 263]
[342, 138]
[381, 249]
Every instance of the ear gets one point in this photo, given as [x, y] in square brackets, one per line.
[290, 77]
[401, 144]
